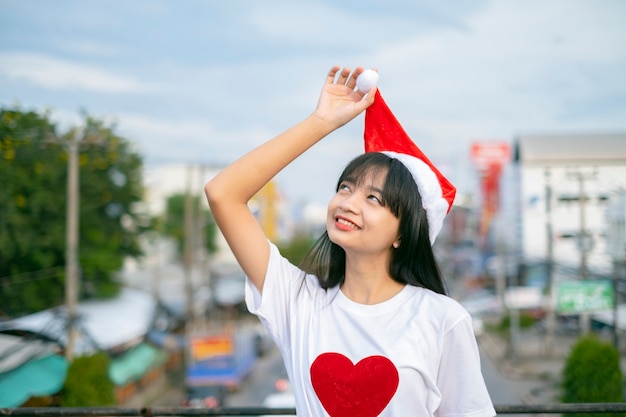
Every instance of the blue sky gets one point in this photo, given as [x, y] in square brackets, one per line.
[195, 81]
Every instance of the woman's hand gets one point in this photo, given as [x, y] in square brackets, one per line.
[340, 101]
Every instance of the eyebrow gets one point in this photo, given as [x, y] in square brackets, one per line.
[354, 182]
[375, 189]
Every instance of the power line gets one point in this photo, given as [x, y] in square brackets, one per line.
[48, 273]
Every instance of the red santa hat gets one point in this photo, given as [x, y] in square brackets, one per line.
[383, 133]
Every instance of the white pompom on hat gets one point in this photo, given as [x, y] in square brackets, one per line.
[383, 133]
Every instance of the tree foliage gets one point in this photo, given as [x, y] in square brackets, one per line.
[172, 223]
[88, 383]
[33, 173]
[592, 374]
[296, 248]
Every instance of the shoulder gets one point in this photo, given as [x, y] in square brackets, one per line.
[280, 267]
[440, 306]
[277, 262]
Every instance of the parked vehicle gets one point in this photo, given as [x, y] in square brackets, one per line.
[207, 396]
[224, 359]
[282, 398]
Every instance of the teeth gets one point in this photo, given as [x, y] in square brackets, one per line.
[347, 223]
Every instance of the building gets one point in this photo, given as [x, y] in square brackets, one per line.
[567, 183]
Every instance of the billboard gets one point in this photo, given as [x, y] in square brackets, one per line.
[211, 346]
[584, 296]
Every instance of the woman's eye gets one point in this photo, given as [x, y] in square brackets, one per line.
[375, 198]
[344, 187]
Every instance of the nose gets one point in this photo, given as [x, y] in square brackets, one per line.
[349, 204]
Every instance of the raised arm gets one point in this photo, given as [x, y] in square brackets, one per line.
[228, 193]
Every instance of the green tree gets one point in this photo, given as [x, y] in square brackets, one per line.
[31, 216]
[172, 223]
[88, 383]
[296, 248]
[592, 374]
[33, 174]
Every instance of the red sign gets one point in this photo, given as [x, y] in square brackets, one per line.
[210, 346]
[489, 158]
[487, 154]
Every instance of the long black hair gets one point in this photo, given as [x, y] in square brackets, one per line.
[413, 262]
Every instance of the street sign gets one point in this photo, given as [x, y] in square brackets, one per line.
[486, 154]
[584, 296]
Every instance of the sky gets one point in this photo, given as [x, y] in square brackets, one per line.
[203, 82]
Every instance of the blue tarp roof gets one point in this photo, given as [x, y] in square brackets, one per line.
[35, 378]
[134, 363]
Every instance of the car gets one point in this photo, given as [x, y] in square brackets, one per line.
[282, 398]
[206, 396]
[481, 302]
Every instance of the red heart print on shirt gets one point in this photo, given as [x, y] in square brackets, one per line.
[348, 390]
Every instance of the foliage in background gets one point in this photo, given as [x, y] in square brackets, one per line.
[525, 321]
[296, 249]
[173, 222]
[32, 217]
[592, 374]
[88, 383]
[33, 173]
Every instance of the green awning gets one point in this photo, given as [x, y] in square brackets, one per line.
[35, 378]
[134, 363]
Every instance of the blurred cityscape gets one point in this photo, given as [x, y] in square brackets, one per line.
[542, 237]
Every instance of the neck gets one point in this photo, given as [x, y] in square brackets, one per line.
[369, 282]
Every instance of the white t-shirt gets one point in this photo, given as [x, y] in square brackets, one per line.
[412, 355]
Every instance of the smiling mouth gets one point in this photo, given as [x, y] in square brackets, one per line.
[347, 223]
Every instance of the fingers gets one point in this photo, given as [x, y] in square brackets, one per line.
[346, 76]
[368, 99]
[352, 80]
[343, 76]
[330, 78]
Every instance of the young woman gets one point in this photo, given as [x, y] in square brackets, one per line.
[364, 327]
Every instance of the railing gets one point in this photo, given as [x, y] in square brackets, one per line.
[599, 408]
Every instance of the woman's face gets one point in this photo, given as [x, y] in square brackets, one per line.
[357, 221]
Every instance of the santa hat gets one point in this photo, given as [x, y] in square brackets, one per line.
[384, 134]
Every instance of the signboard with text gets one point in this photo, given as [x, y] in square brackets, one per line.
[489, 157]
[489, 153]
[584, 296]
[211, 346]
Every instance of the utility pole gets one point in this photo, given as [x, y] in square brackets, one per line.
[188, 248]
[616, 240]
[551, 322]
[189, 245]
[71, 262]
[203, 253]
[584, 238]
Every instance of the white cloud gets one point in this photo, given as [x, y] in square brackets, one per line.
[188, 140]
[89, 47]
[58, 74]
[231, 75]
[518, 65]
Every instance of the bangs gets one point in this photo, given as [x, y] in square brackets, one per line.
[399, 188]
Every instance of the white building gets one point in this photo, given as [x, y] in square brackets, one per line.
[567, 183]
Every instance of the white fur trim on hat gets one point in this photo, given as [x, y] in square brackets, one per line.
[430, 191]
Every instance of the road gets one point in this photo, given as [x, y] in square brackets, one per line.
[508, 391]
[261, 383]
